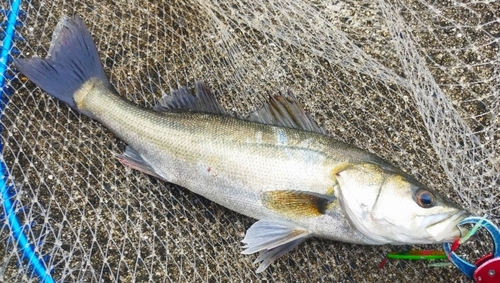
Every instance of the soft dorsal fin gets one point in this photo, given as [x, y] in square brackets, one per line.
[203, 101]
[284, 111]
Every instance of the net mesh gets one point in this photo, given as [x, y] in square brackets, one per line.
[416, 82]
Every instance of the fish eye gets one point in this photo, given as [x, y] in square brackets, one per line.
[425, 198]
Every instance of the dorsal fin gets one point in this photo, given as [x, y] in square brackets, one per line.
[203, 101]
[284, 111]
[280, 110]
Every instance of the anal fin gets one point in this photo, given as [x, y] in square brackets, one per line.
[132, 159]
[272, 239]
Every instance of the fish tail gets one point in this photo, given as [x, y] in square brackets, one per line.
[72, 60]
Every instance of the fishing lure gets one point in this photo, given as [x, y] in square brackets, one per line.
[435, 254]
[418, 255]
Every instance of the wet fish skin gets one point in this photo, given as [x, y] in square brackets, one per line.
[237, 160]
[297, 182]
[233, 152]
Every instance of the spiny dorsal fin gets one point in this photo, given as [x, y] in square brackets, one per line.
[297, 204]
[284, 111]
[203, 101]
[272, 239]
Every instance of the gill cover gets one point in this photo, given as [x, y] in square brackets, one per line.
[389, 206]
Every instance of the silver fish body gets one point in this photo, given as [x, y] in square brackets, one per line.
[228, 160]
[278, 167]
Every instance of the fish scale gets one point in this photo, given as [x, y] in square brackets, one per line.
[162, 137]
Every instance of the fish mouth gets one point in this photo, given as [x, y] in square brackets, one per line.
[445, 228]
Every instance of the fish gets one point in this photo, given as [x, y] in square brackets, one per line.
[276, 165]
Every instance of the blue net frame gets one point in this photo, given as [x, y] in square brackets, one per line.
[8, 192]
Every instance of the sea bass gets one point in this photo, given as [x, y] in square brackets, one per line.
[276, 166]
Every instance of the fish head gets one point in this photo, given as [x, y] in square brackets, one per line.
[390, 207]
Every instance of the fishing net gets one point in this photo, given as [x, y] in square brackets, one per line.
[416, 82]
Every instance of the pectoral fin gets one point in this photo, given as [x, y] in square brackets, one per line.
[296, 204]
[273, 240]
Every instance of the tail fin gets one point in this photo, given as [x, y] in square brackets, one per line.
[72, 60]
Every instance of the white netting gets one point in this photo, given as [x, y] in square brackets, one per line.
[416, 82]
